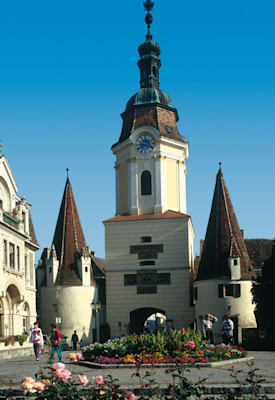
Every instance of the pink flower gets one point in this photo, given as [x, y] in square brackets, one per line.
[72, 357]
[183, 331]
[191, 344]
[130, 395]
[39, 386]
[62, 374]
[58, 365]
[99, 380]
[83, 380]
[78, 356]
[27, 386]
[28, 379]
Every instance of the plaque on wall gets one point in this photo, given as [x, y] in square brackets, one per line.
[146, 289]
[130, 280]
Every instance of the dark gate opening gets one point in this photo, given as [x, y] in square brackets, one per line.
[140, 315]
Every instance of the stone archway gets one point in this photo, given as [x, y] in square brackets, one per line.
[140, 315]
[13, 299]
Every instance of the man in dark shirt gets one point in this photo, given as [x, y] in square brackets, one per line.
[74, 340]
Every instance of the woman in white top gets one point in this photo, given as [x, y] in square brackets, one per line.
[36, 337]
[209, 321]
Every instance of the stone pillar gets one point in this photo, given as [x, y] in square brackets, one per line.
[182, 187]
[160, 185]
[132, 187]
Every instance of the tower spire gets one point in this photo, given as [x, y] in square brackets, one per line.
[149, 51]
[148, 5]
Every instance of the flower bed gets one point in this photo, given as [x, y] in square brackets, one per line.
[168, 346]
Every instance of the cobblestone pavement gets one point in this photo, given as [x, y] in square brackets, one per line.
[16, 369]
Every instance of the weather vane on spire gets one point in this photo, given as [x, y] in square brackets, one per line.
[148, 5]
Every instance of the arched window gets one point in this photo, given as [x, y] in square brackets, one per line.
[146, 183]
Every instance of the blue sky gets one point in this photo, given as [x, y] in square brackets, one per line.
[68, 68]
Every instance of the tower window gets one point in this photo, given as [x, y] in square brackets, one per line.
[154, 72]
[146, 183]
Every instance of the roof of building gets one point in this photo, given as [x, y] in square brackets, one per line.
[98, 265]
[259, 250]
[68, 240]
[32, 231]
[169, 214]
[223, 238]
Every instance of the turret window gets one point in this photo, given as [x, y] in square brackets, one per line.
[146, 183]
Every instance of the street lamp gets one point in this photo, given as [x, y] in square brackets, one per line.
[96, 306]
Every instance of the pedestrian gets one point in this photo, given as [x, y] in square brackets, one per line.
[55, 341]
[81, 344]
[74, 340]
[227, 330]
[209, 321]
[202, 326]
[36, 336]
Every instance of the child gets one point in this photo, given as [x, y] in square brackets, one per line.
[36, 337]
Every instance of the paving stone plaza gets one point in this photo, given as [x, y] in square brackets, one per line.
[16, 369]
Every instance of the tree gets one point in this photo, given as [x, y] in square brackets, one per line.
[263, 291]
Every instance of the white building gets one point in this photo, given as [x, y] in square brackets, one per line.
[17, 250]
[223, 283]
[149, 243]
[68, 294]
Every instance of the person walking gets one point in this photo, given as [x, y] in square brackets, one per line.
[227, 330]
[55, 341]
[209, 321]
[75, 340]
[36, 337]
[202, 326]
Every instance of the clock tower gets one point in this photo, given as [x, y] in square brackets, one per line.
[150, 153]
[149, 242]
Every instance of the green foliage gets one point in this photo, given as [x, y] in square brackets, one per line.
[167, 342]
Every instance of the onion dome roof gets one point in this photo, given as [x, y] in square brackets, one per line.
[149, 95]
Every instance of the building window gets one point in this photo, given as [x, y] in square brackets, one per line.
[1, 204]
[24, 220]
[195, 293]
[86, 269]
[50, 269]
[146, 239]
[11, 253]
[18, 257]
[235, 261]
[142, 263]
[26, 267]
[5, 252]
[146, 183]
[229, 290]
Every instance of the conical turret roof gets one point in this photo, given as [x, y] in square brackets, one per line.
[223, 238]
[68, 239]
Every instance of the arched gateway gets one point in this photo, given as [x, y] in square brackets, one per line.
[139, 316]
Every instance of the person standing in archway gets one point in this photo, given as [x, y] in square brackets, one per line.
[36, 337]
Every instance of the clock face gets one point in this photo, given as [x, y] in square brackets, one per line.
[145, 144]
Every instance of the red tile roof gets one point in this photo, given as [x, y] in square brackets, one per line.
[68, 239]
[223, 238]
[169, 214]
